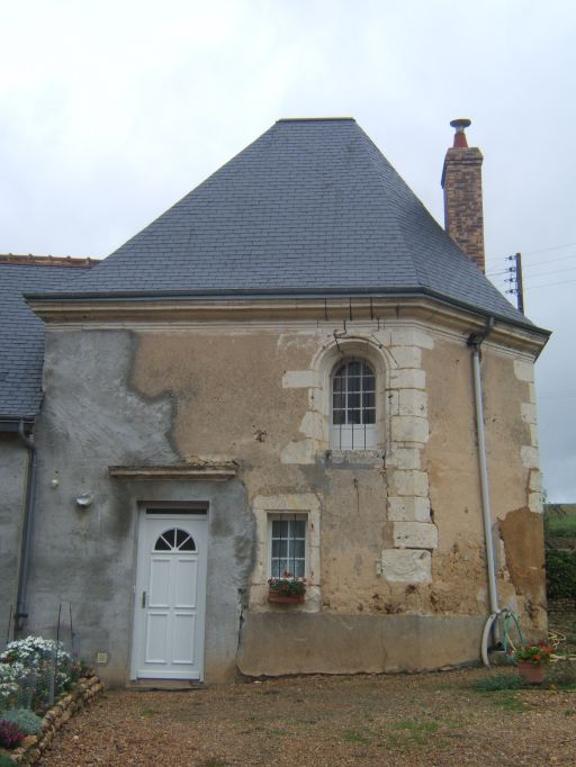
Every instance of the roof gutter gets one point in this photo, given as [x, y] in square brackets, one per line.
[288, 294]
[12, 424]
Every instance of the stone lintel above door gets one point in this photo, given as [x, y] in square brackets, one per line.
[201, 470]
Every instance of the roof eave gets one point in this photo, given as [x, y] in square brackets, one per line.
[14, 424]
[37, 300]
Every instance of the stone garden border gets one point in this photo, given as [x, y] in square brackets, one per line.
[33, 746]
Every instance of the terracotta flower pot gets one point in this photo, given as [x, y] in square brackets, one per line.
[285, 599]
[533, 673]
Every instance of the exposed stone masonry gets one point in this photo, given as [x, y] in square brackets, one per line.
[524, 371]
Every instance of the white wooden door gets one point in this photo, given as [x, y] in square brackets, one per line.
[170, 597]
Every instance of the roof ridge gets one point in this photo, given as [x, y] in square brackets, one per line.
[315, 119]
[31, 260]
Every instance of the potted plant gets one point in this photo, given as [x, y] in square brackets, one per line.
[531, 659]
[286, 590]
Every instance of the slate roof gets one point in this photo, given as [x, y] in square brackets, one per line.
[22, 333]
[311, 207]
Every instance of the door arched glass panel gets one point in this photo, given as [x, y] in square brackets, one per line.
[173, 540]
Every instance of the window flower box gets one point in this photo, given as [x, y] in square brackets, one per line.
[286, 591]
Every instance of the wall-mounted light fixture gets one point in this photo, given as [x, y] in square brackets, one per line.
[85, 500]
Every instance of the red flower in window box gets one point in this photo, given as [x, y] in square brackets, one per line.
[287, 590]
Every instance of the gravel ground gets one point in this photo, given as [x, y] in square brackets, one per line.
[427, 719]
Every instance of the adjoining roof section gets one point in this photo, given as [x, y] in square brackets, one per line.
[311, 206]
[21, 332]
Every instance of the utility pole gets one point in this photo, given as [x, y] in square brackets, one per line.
[516, 279]
[519, 282]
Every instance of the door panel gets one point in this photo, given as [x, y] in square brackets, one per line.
[159, 585]
[156, 637]
[185, 583]
[170, 597]
[184, 630]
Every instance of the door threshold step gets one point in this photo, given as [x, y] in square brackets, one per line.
[166, 685]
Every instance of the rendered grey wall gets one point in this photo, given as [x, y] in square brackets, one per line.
[13, 472]
[93, 419]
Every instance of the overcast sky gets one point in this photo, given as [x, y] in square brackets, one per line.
[112, 111]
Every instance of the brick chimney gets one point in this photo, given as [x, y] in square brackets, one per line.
[462, 184]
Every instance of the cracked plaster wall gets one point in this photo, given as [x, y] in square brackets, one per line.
[398, 529]
[93, 417]
[455, 490]
[402, 525]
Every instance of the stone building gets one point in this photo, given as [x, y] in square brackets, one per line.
[294, 369]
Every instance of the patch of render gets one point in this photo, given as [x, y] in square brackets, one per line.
[524, 371]
[90, 420]
[300, 503]
[402, 428]
[13, 472]
[92, 402]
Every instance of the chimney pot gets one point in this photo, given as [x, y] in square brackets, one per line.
[460, 124]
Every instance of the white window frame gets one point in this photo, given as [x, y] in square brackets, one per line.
[287, 517]
[264, 506]
[354, 436]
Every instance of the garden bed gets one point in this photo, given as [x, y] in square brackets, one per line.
[33, 746]
[41, 687]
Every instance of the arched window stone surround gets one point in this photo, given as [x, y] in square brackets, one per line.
[395, 355]
[379, 359]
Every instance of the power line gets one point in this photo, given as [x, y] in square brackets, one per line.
[504, 271]
[532, 266]
[550, 284]
[541, 250]
[555, 271]
[551, 261]
[510, 271]
[547, 250]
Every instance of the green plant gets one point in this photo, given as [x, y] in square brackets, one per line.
[560, 574]
[352, 736]
[6, 761]
[25, 719]
[498, 683]
[508, 701]
[560, 520]
[410, 733]
[562, 675]
[536, 654]
[288, 586]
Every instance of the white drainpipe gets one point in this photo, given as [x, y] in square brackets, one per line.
[475, 341]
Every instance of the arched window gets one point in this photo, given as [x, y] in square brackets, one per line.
[353, 406]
